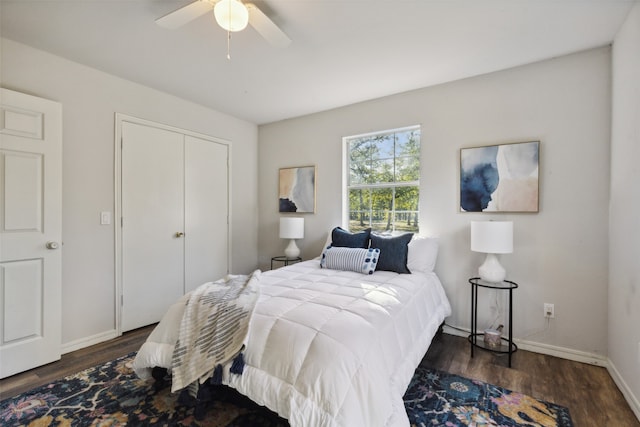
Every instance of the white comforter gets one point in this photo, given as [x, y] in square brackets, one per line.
[328, 347]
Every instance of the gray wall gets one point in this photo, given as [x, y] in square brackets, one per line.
[90, 98]
[624, 274]
[560, 254]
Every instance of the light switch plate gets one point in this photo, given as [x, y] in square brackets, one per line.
[105, 218]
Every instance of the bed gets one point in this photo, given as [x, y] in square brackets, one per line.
[327, 346]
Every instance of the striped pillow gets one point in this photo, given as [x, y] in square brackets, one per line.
[350, 259]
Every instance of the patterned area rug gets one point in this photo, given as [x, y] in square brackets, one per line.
[111, 395]
[436, 398]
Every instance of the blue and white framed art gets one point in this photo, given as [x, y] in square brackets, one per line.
[500, 178]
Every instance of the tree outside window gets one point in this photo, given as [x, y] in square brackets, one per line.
[384, 180]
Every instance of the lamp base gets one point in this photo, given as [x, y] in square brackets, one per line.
[292, 251]
[491, 270]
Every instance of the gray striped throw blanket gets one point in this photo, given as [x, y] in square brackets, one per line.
[213, 328]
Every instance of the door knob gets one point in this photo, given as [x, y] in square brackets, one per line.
[179, 234]
[52, 245]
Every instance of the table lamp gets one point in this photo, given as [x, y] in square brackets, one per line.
[492, 238]
[292, 228]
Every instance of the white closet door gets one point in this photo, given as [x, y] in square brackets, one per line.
[153, 223]
[206, 211]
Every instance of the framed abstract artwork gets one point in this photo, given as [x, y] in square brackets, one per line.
[297, 189]
[500, 178]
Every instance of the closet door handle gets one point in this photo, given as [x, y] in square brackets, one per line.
[179, 234]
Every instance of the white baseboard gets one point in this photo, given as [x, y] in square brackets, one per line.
[632, 400]
[551, 350]
[563, 352]
[88, 341]
[459, 332]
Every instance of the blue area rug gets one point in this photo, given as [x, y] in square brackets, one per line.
[111, 395]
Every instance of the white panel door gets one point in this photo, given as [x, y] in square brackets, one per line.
[206, 211]
[152, 223]
[31, 231]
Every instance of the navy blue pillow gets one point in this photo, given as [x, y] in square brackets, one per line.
[342, 238]
[393, 252]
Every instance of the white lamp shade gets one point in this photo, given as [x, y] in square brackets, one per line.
[291, 228]
[492, 237]
[231, 15]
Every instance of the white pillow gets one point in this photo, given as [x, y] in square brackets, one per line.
[422, 254]
[359, 260]
[327, 243]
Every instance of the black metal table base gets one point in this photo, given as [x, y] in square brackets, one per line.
[507, 346]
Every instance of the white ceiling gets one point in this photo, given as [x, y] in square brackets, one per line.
[343, 51]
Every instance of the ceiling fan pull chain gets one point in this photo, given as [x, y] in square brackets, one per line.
[229, 35]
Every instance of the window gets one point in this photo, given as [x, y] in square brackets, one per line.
[383, 180]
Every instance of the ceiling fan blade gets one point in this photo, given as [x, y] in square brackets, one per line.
[185, 14]
[265, 26]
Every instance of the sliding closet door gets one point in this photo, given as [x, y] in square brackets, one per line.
[206, 211]
[152, 223]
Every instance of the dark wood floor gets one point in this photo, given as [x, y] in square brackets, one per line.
[76, 361]
[588, 391]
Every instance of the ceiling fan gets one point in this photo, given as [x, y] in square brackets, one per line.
[232, 15]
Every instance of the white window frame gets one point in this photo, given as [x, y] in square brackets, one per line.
[345, 171]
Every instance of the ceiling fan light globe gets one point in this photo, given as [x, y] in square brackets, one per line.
[231, 15]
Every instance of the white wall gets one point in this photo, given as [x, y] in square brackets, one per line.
[561, 253]
[624, 229]
[90, 98]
